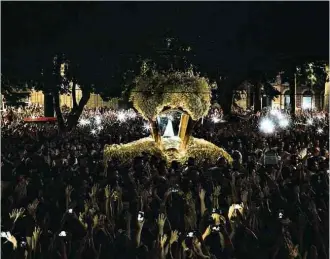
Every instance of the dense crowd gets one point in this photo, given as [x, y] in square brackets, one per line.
[59, 200]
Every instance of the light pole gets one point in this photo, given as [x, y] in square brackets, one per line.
[261, 96]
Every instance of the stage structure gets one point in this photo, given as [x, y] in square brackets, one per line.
[172, 103]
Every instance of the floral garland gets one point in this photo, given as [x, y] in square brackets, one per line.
[125, 153]
[184, 90]
[199, 149]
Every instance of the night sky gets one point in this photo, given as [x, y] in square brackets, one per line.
[214, 29]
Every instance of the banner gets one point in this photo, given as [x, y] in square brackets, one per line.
[40, 119]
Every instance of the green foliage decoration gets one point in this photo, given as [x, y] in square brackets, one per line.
[125, 153]
[199, 149]
[156, 91]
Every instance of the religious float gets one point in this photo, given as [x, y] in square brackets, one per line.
[172, 103]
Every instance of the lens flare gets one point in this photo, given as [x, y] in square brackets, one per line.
[98, 120]
[215, 119]
[319, 131]
[121, 116]
[146, 127]
[131, 114]
[267, 126]
[84, 122]
[280, 116]
[274, 112]
[284, 123]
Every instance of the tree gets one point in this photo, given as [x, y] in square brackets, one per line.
[91, 74]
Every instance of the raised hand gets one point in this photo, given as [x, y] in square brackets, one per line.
[95, 221]
[207, 232]
[163, 240]
[161, 220]
[16, 214]
[94, 191]
[188, 196]
[32, 207]
[216, 191]
[10, 238]
[202, 193]
[197, 246]
[102, 220]
[313, 252]
[144, 196]
[82, 220]
[293, 250]
[87, 205]
[266, 190]
[244, 196]
[140, 224]
[35, 237]
[68, 191]
[312, 208]
[174, 237]
[107, 191]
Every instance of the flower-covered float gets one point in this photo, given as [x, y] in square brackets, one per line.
[172, 103]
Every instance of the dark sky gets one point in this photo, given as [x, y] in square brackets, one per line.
[216, 28]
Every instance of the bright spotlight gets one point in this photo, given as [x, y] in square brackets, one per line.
[146, 127]
[98, 119]
[306, 106]
[310, 121]
[280, 116]
[284, 123]
[93, 132]
[267, 126]
[215, 119]
[274, 112]
[121, 116]
[84, 122]
[99, 127]
[319, 130]
[131, 114]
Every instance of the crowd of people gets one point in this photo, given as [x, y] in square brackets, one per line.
[59, 200]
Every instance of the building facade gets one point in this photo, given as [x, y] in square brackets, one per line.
[95, 100]
[306, 97]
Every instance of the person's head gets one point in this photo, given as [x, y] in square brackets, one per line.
[294, 149]
[312, 165]
[162, 168]
[238, 145]
[145, 157]
[221, 162]
[250, 145]
[317, 143]
[316, 151]
[175, 165]
[138, 163]
[294, 160]
[82, 161]
[191, 161]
